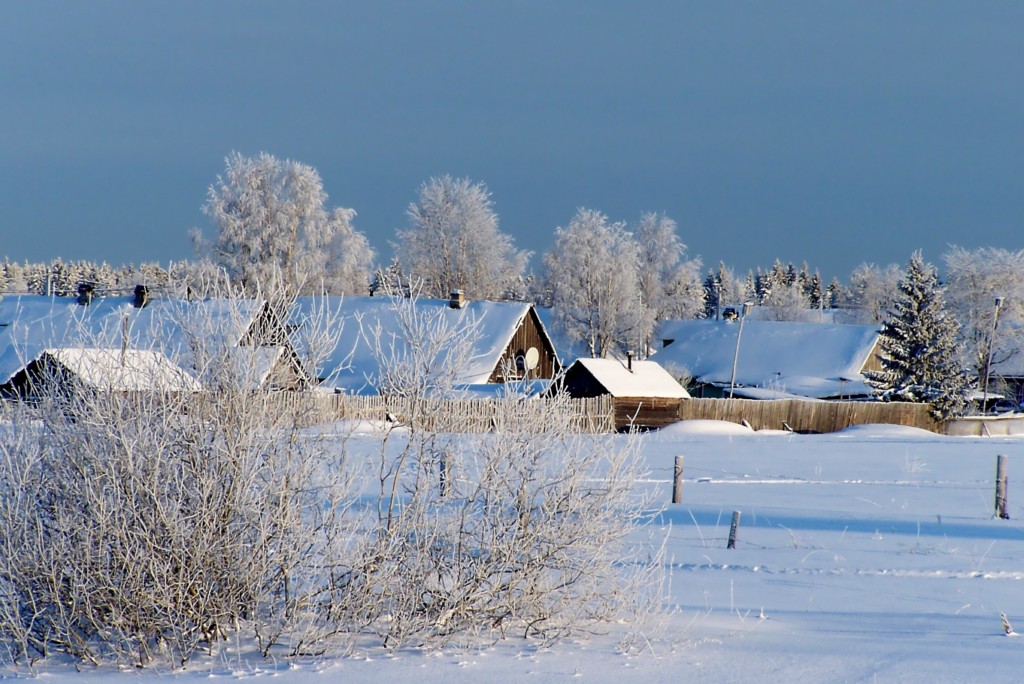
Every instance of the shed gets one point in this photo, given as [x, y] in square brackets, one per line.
[100, 370]
[644, 394]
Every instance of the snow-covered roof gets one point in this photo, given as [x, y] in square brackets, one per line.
[807, 359]
[123, 371]
[645, 379]
[370, 331]
[175, 327]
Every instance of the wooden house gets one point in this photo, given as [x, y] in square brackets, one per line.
[481, 342]
[773, 360]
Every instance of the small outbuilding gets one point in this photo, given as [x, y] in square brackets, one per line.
[645, 394]
[68, 371]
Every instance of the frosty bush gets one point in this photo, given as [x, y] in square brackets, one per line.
[149, 524]
[146, 526]
[520, 530]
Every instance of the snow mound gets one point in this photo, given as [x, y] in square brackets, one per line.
[881, 430]
[705, 427]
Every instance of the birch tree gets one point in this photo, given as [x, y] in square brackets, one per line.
[453, 242]
[274, 233]
[872, 292]
[974, 279]
[593, 276]
[669, 283]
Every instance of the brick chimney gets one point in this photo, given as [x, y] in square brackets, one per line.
[85, 291]
[141, 297]
[457, 299]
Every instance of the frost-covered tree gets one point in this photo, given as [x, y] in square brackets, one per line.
[453, 242]
[834, 293]
[595, 287]
[274, 233]
[814, 291]
[921, 357]
[871, 292]
[669, 284]
[974, 278]
[723, 288]
[788, 302]
[166, 523]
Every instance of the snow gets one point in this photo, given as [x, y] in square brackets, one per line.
[643, 379]
[128, 370]
[867, 555]
[809, 359]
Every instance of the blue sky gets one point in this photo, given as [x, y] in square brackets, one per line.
[829, 132]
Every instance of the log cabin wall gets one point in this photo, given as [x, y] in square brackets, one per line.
[529, 334]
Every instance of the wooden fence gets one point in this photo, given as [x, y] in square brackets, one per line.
[602, 414]
[808, 416]
[441, 415]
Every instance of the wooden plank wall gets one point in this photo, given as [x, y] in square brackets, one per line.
[646, 412]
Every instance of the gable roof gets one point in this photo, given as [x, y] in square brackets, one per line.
[808, 359]
[646, 379]
[358, 324]
[122, 371]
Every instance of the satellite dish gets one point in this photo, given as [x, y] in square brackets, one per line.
[532, 358]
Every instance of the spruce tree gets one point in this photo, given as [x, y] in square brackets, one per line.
[834, 293]
[921, 358]
[711, 295]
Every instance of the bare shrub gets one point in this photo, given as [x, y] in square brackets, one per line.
[149, 524]
[141, 526]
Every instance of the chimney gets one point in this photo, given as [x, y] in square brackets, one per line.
[457, 299]
[629, 361]
[85, 294]
[141, 296]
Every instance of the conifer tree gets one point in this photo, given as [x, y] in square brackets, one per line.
[711, 295]
[814, 291]
[921, 358]
[834, 293]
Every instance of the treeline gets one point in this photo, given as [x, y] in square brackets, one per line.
[609, 282]
[61, 278]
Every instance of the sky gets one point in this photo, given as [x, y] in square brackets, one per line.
[834, 133]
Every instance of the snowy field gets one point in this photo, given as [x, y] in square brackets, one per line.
[869, 555]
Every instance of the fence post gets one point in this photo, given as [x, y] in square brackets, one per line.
[444, 473]
[1001, 487]
[733, 529]
[677, 481]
